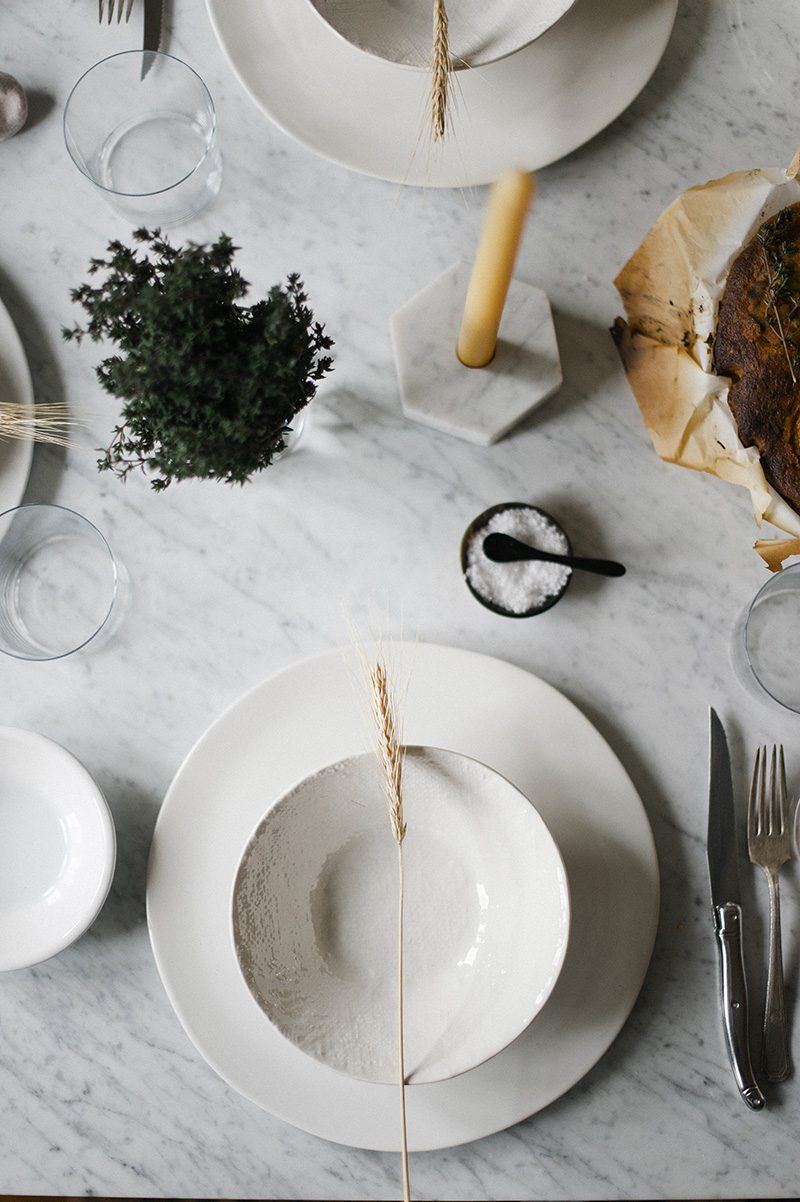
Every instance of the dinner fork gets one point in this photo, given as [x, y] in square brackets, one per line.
[127, 5]
[769, 846]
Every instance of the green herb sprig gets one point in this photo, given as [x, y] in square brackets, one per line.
[209, 386]
[781, 302]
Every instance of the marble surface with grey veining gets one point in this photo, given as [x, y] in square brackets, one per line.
[101, 1091]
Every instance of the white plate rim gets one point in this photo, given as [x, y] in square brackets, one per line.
[16, 454]
[558, 1049]
[526, 110]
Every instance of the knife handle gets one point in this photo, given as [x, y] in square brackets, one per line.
[728, 925]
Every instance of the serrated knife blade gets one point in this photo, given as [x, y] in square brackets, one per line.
[151, 39]
[723, 874]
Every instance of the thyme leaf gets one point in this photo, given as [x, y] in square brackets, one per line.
[778, 292]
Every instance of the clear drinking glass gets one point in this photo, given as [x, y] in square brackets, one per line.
[766, 640]
[59, 581]
[142, 127]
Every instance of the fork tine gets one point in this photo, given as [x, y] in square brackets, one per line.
[765, 827]
[102, 5]
[753, 799]
[777, 788]
[119, 11]
[128, 10]
[781, 789]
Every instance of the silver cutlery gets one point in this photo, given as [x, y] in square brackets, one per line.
[769, 845]
[726, 907]
[153, 16]
[115, 5]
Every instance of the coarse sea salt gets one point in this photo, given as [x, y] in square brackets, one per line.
[527, 584]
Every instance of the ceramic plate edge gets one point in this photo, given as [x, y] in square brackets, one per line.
[109, 838]
[22, 448]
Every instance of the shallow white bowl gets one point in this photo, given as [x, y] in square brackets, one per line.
[314, 916]
[480, 31]
[57, 848]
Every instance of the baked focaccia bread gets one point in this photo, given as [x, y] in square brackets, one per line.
[757, 347]
[711, 334]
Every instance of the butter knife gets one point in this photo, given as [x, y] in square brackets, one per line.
[727, 910]
[153, 15]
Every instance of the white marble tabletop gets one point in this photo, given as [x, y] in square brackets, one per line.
[101, 1091]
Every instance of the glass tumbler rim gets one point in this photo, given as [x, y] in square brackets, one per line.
[175, 183]
[115, 579]
[775, 578]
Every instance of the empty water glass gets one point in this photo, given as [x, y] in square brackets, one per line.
[142, 127]
[59, 582]
[766, 640]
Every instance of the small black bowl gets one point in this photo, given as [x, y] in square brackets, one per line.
[477, 525]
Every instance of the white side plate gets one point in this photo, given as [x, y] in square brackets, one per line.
[57, 848]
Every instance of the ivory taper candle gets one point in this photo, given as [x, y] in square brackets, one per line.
[509, 199]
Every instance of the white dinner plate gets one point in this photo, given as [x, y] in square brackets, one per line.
[311, 715]
[485, 916]
[16, 454]
[57, 848]
[525, 111]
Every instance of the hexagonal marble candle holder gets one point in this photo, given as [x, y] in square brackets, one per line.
[480, 404]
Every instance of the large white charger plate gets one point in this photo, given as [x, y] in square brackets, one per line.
[16, 454]
[311, 715]
[526, 111]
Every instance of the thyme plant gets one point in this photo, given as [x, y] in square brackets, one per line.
[209, 387]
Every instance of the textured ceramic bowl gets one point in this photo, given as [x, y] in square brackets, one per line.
[486, 916]
[57, 848]
[401, 31]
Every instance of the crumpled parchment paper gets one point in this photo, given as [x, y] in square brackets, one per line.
[670, 289]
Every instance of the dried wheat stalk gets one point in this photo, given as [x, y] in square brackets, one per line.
[390, 754]
[441, 66]
[40, 423]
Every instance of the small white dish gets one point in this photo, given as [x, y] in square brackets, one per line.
[57, 848]
[486, 916]
[480, 31]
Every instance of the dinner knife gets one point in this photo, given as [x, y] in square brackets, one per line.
[153, 13]
[727, 910]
